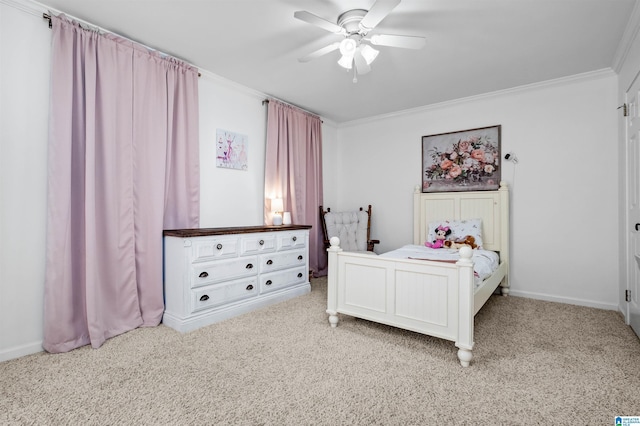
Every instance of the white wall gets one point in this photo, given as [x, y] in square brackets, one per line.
[564, 189]
[329, 161]
[230, 197]
[24, 107]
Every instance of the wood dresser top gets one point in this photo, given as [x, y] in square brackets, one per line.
[203, 232]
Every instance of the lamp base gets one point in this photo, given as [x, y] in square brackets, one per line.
[277, 220]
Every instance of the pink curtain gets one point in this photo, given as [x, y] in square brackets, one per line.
[122, 166]
[293, 172]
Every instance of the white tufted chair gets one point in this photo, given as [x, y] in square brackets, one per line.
[352, 227]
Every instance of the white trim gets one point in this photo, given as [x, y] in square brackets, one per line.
[630, 33]
[591, 75]
[22, 350]
[626, 250]
[37, 9]
[565, 300]
[29, 7]
[232, 84]
[253, 93]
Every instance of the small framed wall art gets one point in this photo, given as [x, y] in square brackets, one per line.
[231, 150]
[466, 160]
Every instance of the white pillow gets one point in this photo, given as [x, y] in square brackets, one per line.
[459, 229]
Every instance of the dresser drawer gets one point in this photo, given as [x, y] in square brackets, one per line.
[222, 270]
[281, 279]
[255, 244]
[292, 240]
[215, 248]
[222, 294]
[282, 260]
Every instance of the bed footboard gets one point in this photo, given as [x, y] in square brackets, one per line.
[428, 297]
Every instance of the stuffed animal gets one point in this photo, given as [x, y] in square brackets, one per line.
[442, 232]
[468, 241]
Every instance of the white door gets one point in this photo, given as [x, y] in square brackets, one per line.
[633, 201]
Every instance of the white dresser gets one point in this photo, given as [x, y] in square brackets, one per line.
[217, 273]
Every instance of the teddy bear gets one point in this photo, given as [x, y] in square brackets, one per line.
[468, 240]
[442, 232]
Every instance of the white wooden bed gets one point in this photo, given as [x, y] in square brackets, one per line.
[430, 297]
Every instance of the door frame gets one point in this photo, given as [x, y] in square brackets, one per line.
[628, 259]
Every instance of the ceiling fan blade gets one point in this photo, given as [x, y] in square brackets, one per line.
[312, 19]
[320, 52]
[361, 64]
[407, 42]
[377, 13]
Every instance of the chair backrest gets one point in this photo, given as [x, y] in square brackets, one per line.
[352, 227]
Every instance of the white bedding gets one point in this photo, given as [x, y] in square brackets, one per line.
[485, 262]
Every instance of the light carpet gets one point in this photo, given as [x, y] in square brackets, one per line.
[535, 362]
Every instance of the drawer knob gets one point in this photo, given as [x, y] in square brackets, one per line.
[250, 287]
[269, 282]
[299, 274]
[204, 297]
[269, 262]
[300, 257]
[203, 274]
[219, 246]
[295, 238]
[261, 242]
[249, 266]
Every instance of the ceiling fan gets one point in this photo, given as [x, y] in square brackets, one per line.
[354, 25]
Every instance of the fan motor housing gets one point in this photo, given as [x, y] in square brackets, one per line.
[350, 20]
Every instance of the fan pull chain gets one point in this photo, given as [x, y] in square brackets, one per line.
[355, 75]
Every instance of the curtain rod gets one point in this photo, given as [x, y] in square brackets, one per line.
[48, 18]
[266, 101]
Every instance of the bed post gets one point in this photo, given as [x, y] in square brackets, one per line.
[464, 342]
[417, 217]
[504, 235]
[332, 281]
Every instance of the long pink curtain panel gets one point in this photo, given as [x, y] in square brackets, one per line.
[122, 166]
[293, 172]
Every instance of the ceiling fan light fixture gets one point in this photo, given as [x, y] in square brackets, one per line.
[348, 47]
[368, 53]
[346, 62]
[356, 49]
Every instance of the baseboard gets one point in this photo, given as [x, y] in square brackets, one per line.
[240, 307]
[35, 347]
[20, 351]
[567, 300]
[269, 299]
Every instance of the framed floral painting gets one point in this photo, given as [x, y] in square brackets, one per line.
[467, 160]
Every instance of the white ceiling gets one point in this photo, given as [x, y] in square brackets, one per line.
[472, 46]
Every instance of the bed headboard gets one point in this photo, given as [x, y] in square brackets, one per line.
[491, 206]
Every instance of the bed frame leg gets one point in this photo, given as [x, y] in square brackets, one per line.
[504, 286]
[465, 356]
[333, 318]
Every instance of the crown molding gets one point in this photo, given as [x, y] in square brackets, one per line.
[628, 37]
[30, 7]
[592, 75]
